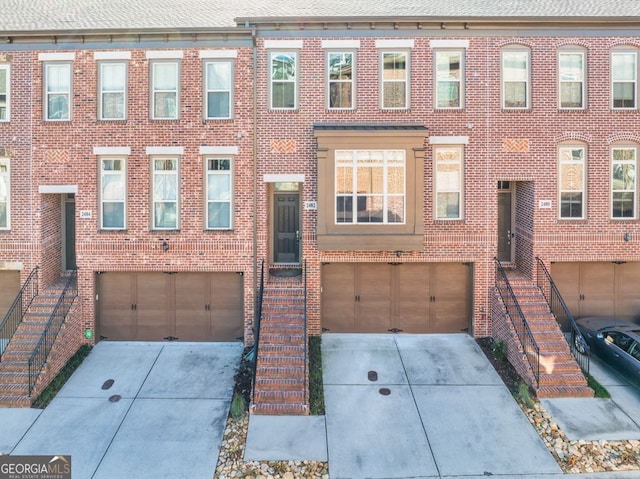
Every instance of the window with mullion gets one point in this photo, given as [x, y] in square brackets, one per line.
[165, 82]
[5, 87]
[165, 193]
[623, 183]
[448, 182]
[624, 75]
[340, 73]
[219, 193]
[5, 194]
[394, 80]
[283, 77]
[571, 77]
[113, 90]
[370, 186]
[571, 182]
[57, 90]
[515, 79]
[113, 193]
[219, 89]
[449, 78]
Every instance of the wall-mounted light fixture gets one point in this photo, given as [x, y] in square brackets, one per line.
[398, 253]
[165, 246]
[627, 237]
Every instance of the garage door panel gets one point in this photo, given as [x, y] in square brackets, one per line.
[153, 294]
[566, 276]
[374, 298]
[115, 305]
[628, 301]
[413, 303]
[191, 315]
[227, 325]
[227, 307]
[9, 289]
[338, 297]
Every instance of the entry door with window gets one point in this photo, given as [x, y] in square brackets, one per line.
[69, 221]
[287, 228]
[505, 222]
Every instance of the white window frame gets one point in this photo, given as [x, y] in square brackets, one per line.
[446, 80]
[229, 90]
[634, 80]
[406, 80]
[583, 190]
[504, 81]
[581, 80]
[438, 188]
[208, 200]
[6, 177]
[102, 92]
[67, 93]
[634, 190]
[155, 200]
[7, 107]
[340, 81]
[122, 173]
[153, 90]
[354, 195]
[296, 58]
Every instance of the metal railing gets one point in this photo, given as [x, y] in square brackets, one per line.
[306, 338]
[18, 308]
[579, 347]
[514, 312]
[252, 355]
[39, 356]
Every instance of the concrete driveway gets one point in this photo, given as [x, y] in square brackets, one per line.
[417, 406]
[163, 416]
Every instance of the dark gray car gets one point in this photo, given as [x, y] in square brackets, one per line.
[616, 341]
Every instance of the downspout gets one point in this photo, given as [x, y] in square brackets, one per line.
[255, 173]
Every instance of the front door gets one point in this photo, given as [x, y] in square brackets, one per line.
[69, 222]
[286, 228]
[505, 222]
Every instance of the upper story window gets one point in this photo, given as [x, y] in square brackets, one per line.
[394, 79]
[623, 182]
[516, 78]
[449, 78]
[218, 89]
[57, 91]
[219, 193]
[624, 79]
[5, 194]
[572, 181]
[165, 88]
[112, 87]
[448, 182]
[113, 193]
[165, 193]
[340, 80]
[5, 87]
[571, 79]
[283, 80]
[370, 186]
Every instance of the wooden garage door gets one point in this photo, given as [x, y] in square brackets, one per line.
[9, 289]
[599, 288]
[407, 297]
[170, 306]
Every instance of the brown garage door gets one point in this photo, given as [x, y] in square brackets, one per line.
[599, 288]
[407, 297]
[9, 289]
[170, 306]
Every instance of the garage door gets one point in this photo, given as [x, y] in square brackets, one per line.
[170, 306]
[407, 297]
[9, 289]
[599, 288]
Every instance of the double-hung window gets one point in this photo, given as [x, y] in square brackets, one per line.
[219, 193]
[218, 89]
[571, 79]
[623, 182]
[449, 78]
[165, 84]
[624, 79]
[340, 78]
[113, 193]
[57, 91]
[516, 78]
[5, 194]
[394, 78]
[370, 186]
[112, 90]
[165, 192]
[5, 87]
[283, 80]
[448, 182]
[572, 182]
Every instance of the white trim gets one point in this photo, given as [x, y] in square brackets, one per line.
[448, 140]
[276, 178]
[395, 43]
[111, 150]
[296, 44]
[164, 54]
[340, 43]
[58, 189]
[165, 150]
[218, 150]
[449, 43]
[11, 265]
[218, 53]
[57, 56]
[112, 55]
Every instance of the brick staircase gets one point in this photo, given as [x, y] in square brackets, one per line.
[560, 375]
[14, 366]
[280, 386]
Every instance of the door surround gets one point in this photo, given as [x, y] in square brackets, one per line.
[505, 233]
[278, 184]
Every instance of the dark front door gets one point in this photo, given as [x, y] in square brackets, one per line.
[505, 231]
[70, 231]
[287, 228]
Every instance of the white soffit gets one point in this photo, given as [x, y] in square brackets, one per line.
[275, 178]
[58, 189]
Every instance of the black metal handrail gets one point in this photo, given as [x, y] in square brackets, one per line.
[306, 339]
[252, 355]
[18, 308]
[40, 353]
[577, 343]
[514, 312]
